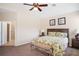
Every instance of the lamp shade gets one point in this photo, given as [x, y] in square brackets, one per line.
[77, 31]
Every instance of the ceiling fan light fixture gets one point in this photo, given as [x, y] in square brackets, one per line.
[36, 6]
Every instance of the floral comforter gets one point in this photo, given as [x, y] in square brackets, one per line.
[57, 44]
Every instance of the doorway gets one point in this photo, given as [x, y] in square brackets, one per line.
[8, 32]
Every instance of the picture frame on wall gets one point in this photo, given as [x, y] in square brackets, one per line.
[52, 22]
[62, 21]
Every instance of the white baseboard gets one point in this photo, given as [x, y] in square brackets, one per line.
[18, 44]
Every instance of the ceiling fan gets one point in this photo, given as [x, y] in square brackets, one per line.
[36, 5]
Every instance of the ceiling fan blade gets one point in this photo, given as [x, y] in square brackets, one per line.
[39, 9]
[28, 4]
[43, 5]
[31, 8]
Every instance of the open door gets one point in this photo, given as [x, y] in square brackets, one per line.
[8, 34]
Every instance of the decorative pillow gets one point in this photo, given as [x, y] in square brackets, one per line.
[51, 33]
[58, 34]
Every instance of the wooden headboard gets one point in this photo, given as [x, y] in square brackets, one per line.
[59, 30]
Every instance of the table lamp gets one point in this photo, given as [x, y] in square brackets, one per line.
[42, 32]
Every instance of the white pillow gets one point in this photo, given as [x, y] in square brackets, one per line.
[63, 34]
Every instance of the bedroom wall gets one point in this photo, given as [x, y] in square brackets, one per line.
[72, 22]
[29, 23]
[27, 28]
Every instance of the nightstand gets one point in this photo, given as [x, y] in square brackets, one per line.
[75, 43]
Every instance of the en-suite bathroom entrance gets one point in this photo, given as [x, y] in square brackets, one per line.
[10, 34]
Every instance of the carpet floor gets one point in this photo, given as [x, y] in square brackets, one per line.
[26, 50]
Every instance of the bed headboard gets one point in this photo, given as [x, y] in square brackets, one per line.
[59, 30]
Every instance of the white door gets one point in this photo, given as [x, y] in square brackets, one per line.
[4, 33]
[0, 34]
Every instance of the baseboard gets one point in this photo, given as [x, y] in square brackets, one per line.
[19, 44]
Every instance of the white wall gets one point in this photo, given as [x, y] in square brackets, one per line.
[29, 23]
[27, 26]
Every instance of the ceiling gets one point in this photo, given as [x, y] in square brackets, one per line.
[59, 9]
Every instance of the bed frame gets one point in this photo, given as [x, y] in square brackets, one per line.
[60, 30]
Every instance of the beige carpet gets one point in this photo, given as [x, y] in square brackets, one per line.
[25, 50]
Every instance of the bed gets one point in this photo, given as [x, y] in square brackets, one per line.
[55, 43]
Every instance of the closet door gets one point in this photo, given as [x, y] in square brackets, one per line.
[0, 34]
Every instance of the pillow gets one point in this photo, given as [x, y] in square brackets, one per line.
[58, 34]
[51, 33]
[63, 34]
